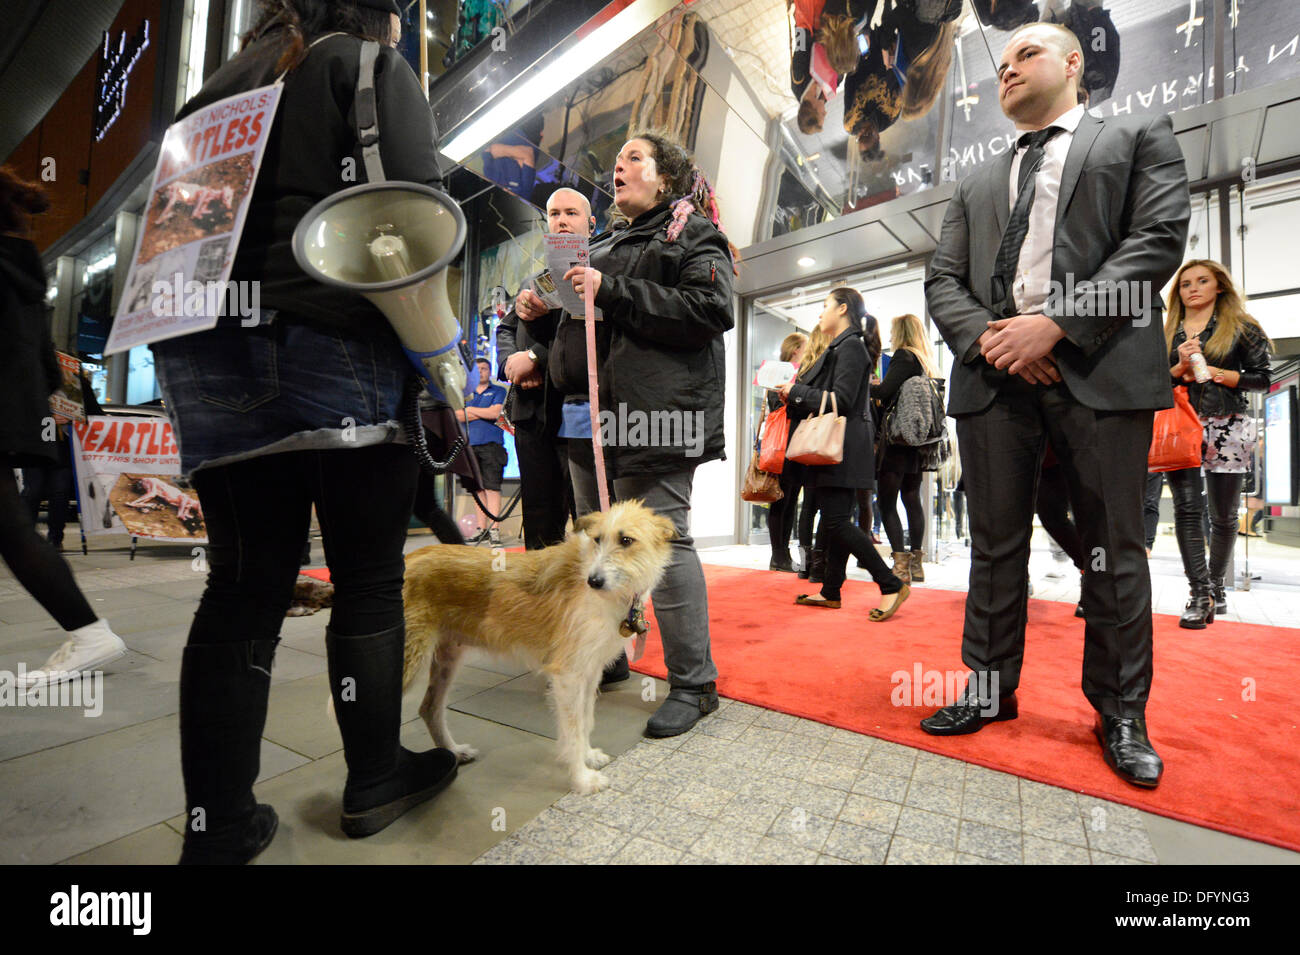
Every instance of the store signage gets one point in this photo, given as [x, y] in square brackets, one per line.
[115, 65]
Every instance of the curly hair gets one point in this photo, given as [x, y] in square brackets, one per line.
[19, 201]
[685, 179]
[304, 20]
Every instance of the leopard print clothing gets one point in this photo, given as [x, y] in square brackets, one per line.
[1229, 444]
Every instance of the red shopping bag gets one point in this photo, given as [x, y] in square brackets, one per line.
[1176, 436]
[776, 435]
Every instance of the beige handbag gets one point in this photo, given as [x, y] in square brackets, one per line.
[819, 439]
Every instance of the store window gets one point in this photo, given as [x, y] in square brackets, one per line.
[893, 290]
[141, 382]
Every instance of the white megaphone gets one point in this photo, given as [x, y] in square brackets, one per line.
[392, 242]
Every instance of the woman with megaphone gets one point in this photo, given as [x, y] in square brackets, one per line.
[663, 283]
[301, 409]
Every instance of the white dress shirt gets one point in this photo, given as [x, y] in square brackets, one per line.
[1034, 269]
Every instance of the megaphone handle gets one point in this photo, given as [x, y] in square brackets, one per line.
[593, 395]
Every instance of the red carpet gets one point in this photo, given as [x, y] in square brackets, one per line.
[1230, 764]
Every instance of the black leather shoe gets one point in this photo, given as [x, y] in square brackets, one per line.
[781, 563]
[1127, 750]
[1078, 610]
[682, 710]
[615, 672]
[967, 716]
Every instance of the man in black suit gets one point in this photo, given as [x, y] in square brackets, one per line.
[535, 409]
[1045, 286]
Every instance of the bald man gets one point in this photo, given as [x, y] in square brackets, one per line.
[523, 339]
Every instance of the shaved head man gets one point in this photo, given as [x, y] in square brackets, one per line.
[569, 212]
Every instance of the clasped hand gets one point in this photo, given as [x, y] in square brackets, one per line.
[1022, 346]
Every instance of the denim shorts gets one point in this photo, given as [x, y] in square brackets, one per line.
[235, 393]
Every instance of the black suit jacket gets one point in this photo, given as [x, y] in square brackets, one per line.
[534, 410]
[1121, 217]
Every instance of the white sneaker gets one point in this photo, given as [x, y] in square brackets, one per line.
[1059, 568]
[88, 647]
[494, 537]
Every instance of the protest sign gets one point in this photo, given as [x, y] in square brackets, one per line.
[127, 474]
[198, 201]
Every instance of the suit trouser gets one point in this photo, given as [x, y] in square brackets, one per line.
[681, 601]
[1103, 457]
[543, 484]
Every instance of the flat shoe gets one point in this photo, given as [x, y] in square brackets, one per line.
[879, 616]
[807, 600]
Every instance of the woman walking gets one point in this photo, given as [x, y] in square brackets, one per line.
[1208, 318]
[29, 373]
[844, 370]
[900, 464]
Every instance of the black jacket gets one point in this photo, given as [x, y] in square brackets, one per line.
[29, 372]
[1248, 356]
[845, 369]
[533, 410]
[313, 134]
[667, 305]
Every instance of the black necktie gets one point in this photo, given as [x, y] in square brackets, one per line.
[1004, 266]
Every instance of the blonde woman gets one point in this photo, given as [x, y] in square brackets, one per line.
[781, 514]
[1207, 316]
[900, 464]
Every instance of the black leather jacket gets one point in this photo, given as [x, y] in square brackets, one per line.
[1248, 357]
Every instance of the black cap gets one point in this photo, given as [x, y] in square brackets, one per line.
[387, 6]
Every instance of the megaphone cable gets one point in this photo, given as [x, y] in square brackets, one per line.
[419, 445]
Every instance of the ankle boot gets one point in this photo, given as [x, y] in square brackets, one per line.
[384, 779]
[803, 563]
[817, 570]
[224, 689]
[1220, 597]
[1200, 609]
[915, 568]
[902, 566]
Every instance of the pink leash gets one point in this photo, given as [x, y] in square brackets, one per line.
[597, 449]
[635, 646]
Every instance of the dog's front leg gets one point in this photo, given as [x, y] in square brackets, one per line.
[595, 758]
[569, 691]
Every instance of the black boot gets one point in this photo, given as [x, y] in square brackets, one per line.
[384, 779]
[224, 688]
[1220, 596]
[1200, 609]
[781, 562]
[803, 563]
[817, 569]
[616, 671]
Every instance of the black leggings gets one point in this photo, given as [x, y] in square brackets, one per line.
[1224, 493]
[842, 538]
[781, 514]
[258, 512]
[35, 563]
[889, 485]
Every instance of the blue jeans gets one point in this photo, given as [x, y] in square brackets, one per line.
[235, 393]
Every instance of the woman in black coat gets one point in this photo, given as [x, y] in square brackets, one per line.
[29, 372]
[844, 369]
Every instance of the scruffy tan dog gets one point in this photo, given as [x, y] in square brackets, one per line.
[558, 610]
